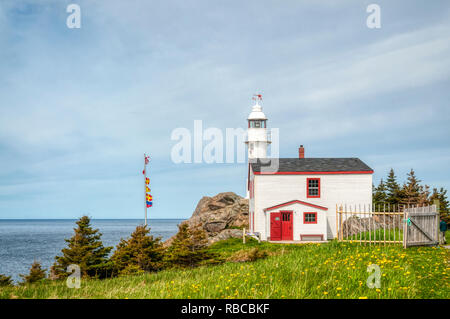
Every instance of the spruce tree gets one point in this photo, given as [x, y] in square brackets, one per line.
[189, 248]
[36, 274]
[411, 190]
[86, 250]
[394, 194]
[424, 195]
[379, 197]
[5, 281]
[441, 196]
[142, 252]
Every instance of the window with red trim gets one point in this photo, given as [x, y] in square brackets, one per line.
[310, 218]
[313, 187]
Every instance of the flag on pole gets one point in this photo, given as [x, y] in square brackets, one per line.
[148, 197]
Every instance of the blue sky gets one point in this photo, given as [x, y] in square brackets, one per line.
[79, 107]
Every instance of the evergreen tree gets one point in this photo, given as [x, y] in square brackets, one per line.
[393, 191]
[379, 195]
[441, 196]
[189, 248]
[36, 274]
[412, 191]
[86, 250]
[141, 252]
[5, 281]
[424, 195]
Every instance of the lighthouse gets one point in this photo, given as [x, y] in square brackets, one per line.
[257, 137]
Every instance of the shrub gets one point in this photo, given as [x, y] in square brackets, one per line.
[140, 253]
[86, 250]
[36, 274]
[248, 255]
[189, 248]
[5, 281]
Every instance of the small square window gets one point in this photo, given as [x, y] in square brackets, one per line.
[310, 218]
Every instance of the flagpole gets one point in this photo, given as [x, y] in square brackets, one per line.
[145, 188]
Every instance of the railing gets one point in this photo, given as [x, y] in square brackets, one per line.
[267, 137]
[367, 225]
[386, 224]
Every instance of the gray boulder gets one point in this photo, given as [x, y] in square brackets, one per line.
[355, 225]
[219, 216]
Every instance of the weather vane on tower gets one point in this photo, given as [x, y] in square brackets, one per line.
[257, 97]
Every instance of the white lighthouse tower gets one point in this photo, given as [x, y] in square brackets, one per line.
[257, 137]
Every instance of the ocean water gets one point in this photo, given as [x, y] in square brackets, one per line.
[27, 240]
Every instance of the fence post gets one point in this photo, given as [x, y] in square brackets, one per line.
[243, 235]
[337, 223]
[405, 228]
[438, 215]
[384, 226]
[361, 228]
[369, 221]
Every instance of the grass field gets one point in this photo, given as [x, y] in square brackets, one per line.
[334, 270]
[395, 234]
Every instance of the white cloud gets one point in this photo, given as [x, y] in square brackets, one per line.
[401, 62]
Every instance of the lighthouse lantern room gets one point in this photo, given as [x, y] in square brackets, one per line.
[257, 137]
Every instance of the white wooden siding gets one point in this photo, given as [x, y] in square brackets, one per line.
[299, 228]
[271, 190]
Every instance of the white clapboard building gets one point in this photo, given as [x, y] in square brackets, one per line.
[294, 199]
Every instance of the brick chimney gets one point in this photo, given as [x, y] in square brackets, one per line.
[301, 152]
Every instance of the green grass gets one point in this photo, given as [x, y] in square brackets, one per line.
[379, 235]
[228, 247]
[334, 270]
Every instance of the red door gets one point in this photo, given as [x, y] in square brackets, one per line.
[275, 226]
[286, 226]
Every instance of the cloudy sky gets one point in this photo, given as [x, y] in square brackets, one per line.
[79, 107]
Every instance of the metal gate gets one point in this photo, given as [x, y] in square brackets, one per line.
[421, 226]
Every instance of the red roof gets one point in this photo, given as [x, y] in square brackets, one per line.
[295, 201]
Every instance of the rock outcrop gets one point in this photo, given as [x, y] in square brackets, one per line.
[220, 216]
[355, 225]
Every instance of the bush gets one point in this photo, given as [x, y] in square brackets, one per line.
[140, 253]
[86, 250]
[36, 274]
[189, 248]
[249, 255]
[5, 281]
